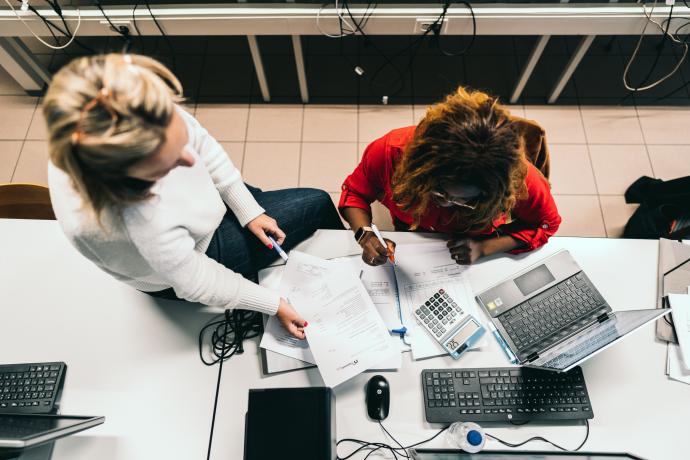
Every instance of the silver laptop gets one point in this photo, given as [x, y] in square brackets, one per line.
[551, 316]
[21, 431]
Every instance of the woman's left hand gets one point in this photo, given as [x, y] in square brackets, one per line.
[263, 225]
[466, 251]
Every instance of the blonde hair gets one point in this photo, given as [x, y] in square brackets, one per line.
[104, 113]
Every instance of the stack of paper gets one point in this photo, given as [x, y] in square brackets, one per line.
[678, 364]
[303, 280]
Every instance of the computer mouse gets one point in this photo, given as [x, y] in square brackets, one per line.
[378, 397]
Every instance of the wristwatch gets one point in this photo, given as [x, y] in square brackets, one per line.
[360, 232]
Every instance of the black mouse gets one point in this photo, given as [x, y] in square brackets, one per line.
[378, 397]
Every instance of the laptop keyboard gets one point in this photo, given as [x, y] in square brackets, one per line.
[540, 322]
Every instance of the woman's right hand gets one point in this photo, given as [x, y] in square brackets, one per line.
[291, 320]
[373, 252]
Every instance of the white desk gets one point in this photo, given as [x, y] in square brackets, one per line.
[134, 359]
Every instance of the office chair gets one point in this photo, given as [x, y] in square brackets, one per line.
[25, 201]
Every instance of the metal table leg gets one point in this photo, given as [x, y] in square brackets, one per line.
[529, 67]
[580, 52]
[299, 63]
[19, 62]
[259, 67]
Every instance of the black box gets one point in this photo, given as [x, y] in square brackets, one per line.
[290, 423]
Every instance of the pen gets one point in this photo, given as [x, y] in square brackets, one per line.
[278, 249]
[502, 343]
[382, 241]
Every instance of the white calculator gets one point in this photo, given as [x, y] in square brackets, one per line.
[455, 329]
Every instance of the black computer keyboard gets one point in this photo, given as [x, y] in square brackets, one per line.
[33, 388]
[504, 394]
[544, 319]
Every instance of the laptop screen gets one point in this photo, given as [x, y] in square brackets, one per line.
[595, 338]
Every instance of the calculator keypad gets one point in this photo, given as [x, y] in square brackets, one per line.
[439, 313]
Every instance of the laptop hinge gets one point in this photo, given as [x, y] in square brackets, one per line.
[532, 357]
[603, 317]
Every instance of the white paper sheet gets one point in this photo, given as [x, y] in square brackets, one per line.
[381, 286]
[346, 333]
[421, 269]
[680, 310]
[677, 370]
[300, 271]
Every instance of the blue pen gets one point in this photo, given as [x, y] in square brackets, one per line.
[502, 343]
[278, 249]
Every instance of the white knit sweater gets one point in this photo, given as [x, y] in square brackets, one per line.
[161, 242]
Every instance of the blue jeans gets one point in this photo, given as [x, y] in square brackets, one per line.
[299, 213]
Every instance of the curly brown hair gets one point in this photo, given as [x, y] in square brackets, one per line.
[468, 138]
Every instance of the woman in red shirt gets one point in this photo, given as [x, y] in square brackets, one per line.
[462, 171]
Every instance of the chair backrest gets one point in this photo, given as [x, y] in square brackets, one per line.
[25, 201]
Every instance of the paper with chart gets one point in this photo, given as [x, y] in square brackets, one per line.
[381, 286]
[301, 271]
[421, 269]
[346, 333]
[680, 310]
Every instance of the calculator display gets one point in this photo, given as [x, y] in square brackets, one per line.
[461, 337]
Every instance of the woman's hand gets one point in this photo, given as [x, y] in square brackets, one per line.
[373, 252]
[291, 320]
[264, 225]
[466, 251]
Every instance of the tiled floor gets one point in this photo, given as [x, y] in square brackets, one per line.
[596, 151]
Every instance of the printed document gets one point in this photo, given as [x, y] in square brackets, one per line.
[346, 333]
[381, 286]
[421, 270]
[303, 270]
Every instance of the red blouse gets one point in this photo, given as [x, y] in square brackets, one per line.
[535, 218]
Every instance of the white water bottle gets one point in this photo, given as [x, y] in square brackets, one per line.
[467, 436]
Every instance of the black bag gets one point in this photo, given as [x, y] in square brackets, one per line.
[661, 203]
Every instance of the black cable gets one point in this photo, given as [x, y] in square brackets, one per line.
[226, 339]
[122, 30]
[539, 438]
[373, 446]
[136, 27]
[165, 36]
[437, 31]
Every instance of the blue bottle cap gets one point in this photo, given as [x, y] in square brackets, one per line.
[474, 437]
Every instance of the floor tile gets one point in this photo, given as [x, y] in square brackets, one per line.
[325, 165]
[418, 112]
[276, 123]
[330, 123]
[581, 215]
[618, 166]
[37, 128]
[616, 214]
[361, 147]
[375, 121]
[16, 116]
[670, 161]
[225, 122]
[612, 125]
[271, 165]
[9, 154]
[665, 125]
[235, 151]
[32, 167]
[8, 85]
[562, 124]
[571, 170]
[517, 110]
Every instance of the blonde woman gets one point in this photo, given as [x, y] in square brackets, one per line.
[144, 192]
